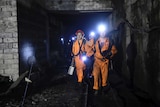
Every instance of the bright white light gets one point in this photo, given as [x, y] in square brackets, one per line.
[62, 39]
[27, 51]
[92, 34]
[84, 58]
[73, 38]
[101, 28]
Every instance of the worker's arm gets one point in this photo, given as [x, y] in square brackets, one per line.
[113, 50]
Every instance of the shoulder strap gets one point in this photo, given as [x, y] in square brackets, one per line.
[80, 46]
[99, 47]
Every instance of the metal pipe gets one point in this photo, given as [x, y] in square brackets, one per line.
[26, 88]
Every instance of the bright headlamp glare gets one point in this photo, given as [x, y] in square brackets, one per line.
[84, 58]
[102, 28]
[92, 34]
[73, 38]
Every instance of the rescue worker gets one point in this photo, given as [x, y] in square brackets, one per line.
[103, 52]
[89, 48]
[78, 49]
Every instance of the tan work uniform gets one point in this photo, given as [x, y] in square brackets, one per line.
[100, 68]
[79, 64]
[89, 47]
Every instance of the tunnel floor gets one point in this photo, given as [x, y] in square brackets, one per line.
[61, 90]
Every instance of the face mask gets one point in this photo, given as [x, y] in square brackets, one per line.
[79, 36]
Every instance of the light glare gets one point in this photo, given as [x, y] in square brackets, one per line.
[84, 58]
[27, 51]
[73, 38]
[101, 28]
[62, 39]
[92, 34]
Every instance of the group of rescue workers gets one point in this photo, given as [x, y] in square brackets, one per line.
[99, 52]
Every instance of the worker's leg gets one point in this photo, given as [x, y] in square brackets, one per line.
[96, 74]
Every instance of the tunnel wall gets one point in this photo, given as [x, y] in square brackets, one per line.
[32, 33]
[9, 57]
[138, 19]
[144, 18]
[38, 32]
[153, 51]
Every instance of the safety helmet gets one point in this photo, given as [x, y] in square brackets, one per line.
[79, 31]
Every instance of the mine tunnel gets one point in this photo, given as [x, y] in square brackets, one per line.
[36, 52]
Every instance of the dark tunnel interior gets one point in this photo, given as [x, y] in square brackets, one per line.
[40, 35]
[45, 40]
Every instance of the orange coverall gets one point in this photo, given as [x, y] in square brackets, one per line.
[89, 47]
[100, 68]
[79, 64]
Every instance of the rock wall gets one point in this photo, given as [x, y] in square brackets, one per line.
[145, 17]
[142, 19]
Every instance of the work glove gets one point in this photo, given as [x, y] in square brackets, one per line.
[107, 54]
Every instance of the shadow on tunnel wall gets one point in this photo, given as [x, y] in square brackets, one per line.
[153, 57]
[131, 56]
[152, 64]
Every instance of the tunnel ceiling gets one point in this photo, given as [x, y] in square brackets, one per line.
[78, 8]
[71, 4]
[73, 20]
[78, 4]
[82, 14]
[69, 16]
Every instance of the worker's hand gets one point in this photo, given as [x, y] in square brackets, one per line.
[83, 53]
[72, 54]
[107, 54]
